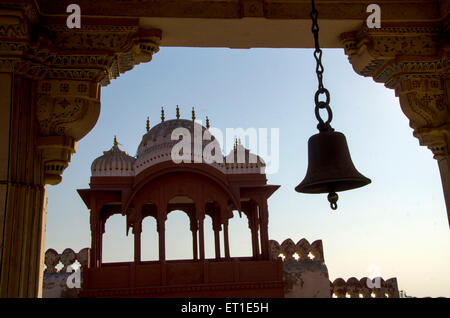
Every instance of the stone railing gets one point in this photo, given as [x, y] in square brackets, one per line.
[62, 274]
[364, 288]
[300, 252]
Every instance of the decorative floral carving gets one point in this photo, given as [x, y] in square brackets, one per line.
[93, 41]
[411, 60]
[14, 26]
[56, 114]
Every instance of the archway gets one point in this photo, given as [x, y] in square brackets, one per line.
[115, 239]
[210, 252]
[149, 240]
[240, 236]
[178, 236]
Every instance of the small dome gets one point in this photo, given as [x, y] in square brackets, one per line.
[114, 163]
[241, 160]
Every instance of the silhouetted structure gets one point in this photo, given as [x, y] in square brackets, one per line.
[152, 184]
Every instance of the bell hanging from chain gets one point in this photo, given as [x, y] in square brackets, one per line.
[330, 167]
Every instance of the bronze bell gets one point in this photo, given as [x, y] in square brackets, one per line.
[330, 167]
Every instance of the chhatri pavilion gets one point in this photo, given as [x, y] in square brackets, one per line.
[152, 184]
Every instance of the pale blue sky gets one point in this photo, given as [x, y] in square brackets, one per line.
[397, 224]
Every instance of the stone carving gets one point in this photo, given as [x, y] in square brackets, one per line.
[69, 67]
[55, 114]
[94, 40]
[412, 61]
[424, 102]
[364, 288]
[14, 26]
[301, 252]
[369, 50]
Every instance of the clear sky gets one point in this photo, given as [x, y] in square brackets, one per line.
[397, 225]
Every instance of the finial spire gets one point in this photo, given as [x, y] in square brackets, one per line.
[115, 141]
[193, 114]
[162, 114]
[148, 124]
[207, 122]
[235, 144]
[178, 112]
[239, 141]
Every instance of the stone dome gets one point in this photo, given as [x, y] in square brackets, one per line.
[163, 131]
[157, 144]
[114, 163]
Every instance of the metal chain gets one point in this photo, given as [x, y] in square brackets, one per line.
[323, 125]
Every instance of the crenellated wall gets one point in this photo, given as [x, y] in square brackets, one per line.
[306, 275]
[62, 274]
[301, 251]
[364, 288]
[304, 271]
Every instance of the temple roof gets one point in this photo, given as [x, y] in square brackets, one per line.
[113, 162]
[161, 143]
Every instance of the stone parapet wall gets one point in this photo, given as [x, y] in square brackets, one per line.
[62, 274]
[306, 275]
[364, 288]
[304, 271]
[301, 251]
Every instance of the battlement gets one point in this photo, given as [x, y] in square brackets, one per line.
[364, 288]
[301, 251]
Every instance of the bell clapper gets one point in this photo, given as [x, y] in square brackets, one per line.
[332, 198]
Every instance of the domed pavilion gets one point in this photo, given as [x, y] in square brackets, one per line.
[156, 182]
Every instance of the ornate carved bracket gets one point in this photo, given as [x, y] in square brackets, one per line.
[68, 67]
[413, 60]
